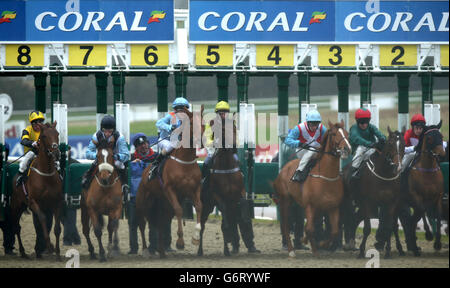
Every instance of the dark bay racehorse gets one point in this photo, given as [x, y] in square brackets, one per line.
[181, 178]
[42, 192]
[426, 182]
[322, 191]
[103, 197]
[225, 189]
[379, 186]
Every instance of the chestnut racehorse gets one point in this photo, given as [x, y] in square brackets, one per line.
[42, 192]
[426, 182]
[103, 197]
[321, 193]
[181, 177]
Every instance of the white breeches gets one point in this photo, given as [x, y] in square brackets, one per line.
[305, 156]
[26, 160]
[166, 146]
[407, 159]
[362, 153]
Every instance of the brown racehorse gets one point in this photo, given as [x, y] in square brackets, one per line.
[103, 197]
[225, 189]
[322, 191]
[181, 178]
[42, 192]
[379, 185]
[426, 182]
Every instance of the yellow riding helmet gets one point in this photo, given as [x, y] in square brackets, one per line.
[222, 106]
[35, 115]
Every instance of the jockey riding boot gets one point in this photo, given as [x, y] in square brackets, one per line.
[155, 165]
[87, 176]
[355, 173]
[22, 177]
[299, 176]
[124, 180]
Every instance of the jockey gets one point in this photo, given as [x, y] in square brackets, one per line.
[165, 127]
[363, 138]
[222, 109]
[30, 137]
[412, 137]
[121, 153]
[305, 135]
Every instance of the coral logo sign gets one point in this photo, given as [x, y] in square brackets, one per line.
[317, 17]
[7, 16]
[155, 16]
[132, 21]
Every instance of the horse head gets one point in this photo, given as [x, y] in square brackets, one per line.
[339, 139]
[394, 149]
[105, 160]
[49, 140]
[432, 140]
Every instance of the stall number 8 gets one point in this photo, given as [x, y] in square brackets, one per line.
[24, 57]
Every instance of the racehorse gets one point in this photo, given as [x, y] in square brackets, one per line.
[379, 185]
[103, 197]
[322, 192]
[426, 182]
[180, 178]
[225, 189]
[42, 192]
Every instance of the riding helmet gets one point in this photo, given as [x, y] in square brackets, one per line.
[180, 102]
[313, 116]
[418, 120]
[139, 138]
[222, 106]
[362, 113]
[35, 115]
[108, 122]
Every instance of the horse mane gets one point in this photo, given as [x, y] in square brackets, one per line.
[323, 145]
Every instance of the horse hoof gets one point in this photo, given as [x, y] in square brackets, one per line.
[429, 236]
[196, 242]
[200, 253]
[437, 246]
[292, 254]
[401, 253]
[227, 253]
[417, 253]
[102, 259]
[93, 257]
[180, 245]
[387, 256]
[146, 253]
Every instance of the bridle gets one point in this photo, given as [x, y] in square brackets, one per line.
[105, 166]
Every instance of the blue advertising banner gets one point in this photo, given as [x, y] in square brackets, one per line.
[92, 21]
[319, 21]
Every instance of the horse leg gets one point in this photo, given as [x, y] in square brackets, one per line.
[43, 221]
[437, 243]
[141, 225]
[415, 218]
[366, 231]
[391, 217]
[57, 230]
[284, 214]
[172, 197]
[426, 226]
[333, 216]
[198, 209]
[86, 229]
[310, 213]
[397, 238]
[97, 223]
[113, 244]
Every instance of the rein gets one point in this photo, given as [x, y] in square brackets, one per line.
[372, 169]
[42, 173]
[183, 162]
[108, 185]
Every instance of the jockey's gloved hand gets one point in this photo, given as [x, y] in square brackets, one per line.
[409, 149]
[35, 144]
[303, 145]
